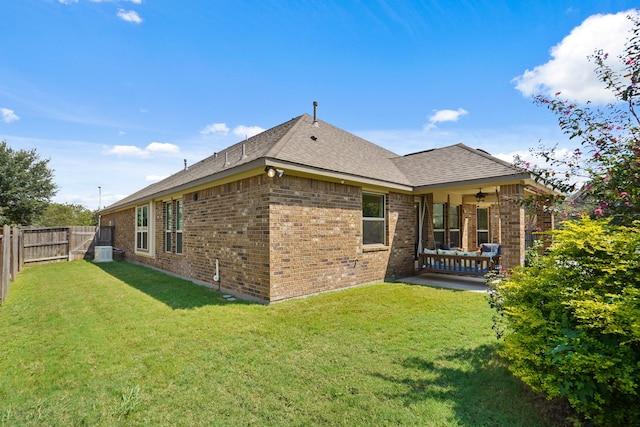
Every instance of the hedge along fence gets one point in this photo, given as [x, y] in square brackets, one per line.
[43, 245]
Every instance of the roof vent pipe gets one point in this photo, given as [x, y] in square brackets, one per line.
[315, 113]
[244, 152]
[185, 164]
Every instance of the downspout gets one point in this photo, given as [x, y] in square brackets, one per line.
[216, 276]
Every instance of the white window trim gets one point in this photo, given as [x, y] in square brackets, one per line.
[150, 230]
[168, 231]
[483, 230]
[373, 219]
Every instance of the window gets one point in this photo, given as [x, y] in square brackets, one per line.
[173, 224]
[168, 225]
[179, 225]
[142, 228]
[454, 226]
[373, 219]
[438, 225]
[483, 225]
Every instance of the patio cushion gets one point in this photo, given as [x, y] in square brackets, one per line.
[451, 252]
[467, 253]
[430, 251]
[491, 247]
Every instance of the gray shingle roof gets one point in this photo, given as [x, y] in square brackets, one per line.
[327, 148]
[453, 164]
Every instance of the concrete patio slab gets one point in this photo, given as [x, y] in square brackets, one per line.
[460, 283]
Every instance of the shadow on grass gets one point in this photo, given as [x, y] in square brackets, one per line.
[177, 293]
[480, 388]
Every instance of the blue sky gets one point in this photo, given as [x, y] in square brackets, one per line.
[116, 93]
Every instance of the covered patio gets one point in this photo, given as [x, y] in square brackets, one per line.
[462, 219]
[470, 198]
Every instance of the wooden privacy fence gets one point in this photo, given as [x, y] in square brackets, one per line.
[50, 244]
[10, 259]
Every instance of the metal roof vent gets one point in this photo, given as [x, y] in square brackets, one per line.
[315, 113]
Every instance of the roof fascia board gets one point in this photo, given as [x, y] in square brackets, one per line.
[511, 179]
[249, 169]
[218, 178]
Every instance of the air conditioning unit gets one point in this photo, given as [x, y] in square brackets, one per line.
[103, 254]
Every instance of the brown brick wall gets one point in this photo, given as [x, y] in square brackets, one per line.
[402, 235]
[279, 238]
[545, 221]
[513, 222]
[316, 238]
[124, 231]
[230, 222]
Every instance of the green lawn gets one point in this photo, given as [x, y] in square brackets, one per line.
[119, 344]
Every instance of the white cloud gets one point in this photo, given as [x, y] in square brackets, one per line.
[247, 131]
[8, 115]
[440, 116]
[68, 1]
[162, 147]
[221, 128]
[569, 70]
[133, 151]
[129, 16]
[127, 151]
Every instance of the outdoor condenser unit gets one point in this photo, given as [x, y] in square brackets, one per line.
[103, 254]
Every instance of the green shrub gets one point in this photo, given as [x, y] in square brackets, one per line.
[572, 320]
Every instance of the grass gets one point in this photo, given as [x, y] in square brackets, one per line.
[119, 344]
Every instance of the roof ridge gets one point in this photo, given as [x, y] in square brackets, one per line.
[278, 145]
[486, 155]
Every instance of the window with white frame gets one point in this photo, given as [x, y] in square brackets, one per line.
[439, 230]
[454, 226]
[173, 225]
[373, 219]
[142, 228]
[168, 226]
[483, 225]
[179, 226]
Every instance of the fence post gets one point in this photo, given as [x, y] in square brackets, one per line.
[6, 262]
[20, 250]
[15, 241]
[69, 245]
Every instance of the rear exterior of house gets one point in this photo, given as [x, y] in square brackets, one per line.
[339, 211]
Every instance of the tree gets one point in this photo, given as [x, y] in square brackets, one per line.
[26, 185]
[58, 214]
[607, 162]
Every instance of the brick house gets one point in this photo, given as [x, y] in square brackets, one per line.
[305, 207]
